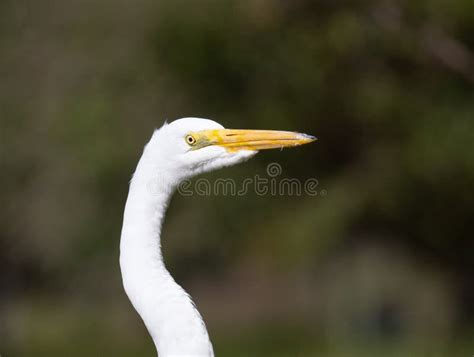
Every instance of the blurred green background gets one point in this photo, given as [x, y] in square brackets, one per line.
[382, 264]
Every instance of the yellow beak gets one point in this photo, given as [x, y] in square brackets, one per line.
[236, 139]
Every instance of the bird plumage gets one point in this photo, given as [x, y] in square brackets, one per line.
[168, 312]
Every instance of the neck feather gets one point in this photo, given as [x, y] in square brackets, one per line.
[169, 314]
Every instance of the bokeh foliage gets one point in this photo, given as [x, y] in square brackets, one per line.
[381, 264]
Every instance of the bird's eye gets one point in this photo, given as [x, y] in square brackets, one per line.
[190, 140]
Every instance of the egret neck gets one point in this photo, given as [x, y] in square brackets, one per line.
[168, 312]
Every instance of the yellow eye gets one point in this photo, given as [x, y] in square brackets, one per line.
[190, 140]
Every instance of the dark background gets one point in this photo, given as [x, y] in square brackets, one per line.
[378, 264]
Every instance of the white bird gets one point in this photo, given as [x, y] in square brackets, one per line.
[177, 151]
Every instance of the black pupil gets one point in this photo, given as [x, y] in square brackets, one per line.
[190, 139]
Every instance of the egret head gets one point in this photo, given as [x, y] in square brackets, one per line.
[190, 146]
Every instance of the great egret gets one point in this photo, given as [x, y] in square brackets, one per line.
[177, 151]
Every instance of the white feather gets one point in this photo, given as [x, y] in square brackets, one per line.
[169, 314]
